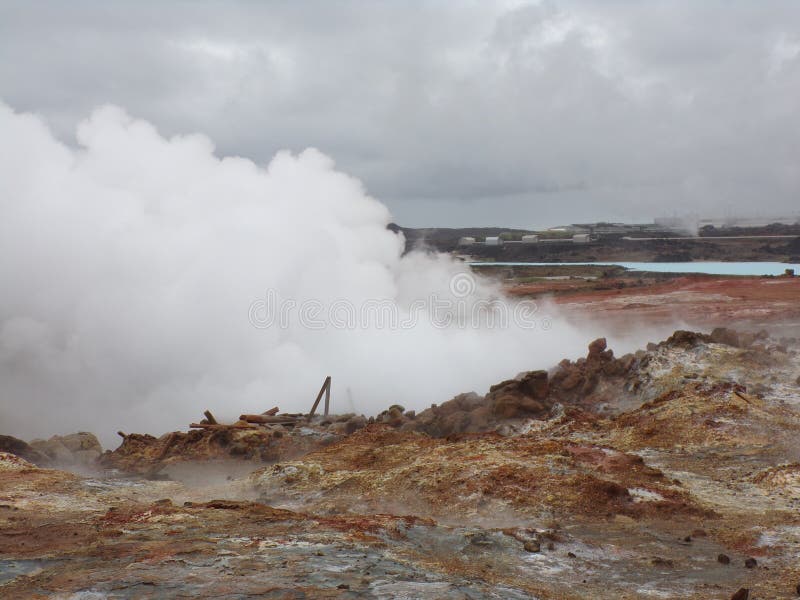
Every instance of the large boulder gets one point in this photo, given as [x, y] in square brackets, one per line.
[524, 396]
[75, 449]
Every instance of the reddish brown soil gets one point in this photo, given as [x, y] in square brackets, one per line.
[702, 301]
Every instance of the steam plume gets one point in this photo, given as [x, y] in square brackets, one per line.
[129, 265]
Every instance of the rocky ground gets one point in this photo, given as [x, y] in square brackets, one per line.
[673, 472]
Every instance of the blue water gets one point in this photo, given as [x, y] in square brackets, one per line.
[706, 268]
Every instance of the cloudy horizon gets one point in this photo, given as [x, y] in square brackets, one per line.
[468, 114]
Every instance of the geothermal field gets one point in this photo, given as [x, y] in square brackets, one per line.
[672, 471]
[443, 300]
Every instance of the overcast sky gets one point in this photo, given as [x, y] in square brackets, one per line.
[451, 113]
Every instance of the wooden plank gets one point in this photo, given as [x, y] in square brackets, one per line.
[271, 412]
[210, 418]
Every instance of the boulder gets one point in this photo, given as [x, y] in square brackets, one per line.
[80, 448]
[687, 339]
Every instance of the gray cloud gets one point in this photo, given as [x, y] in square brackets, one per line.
[451, 113]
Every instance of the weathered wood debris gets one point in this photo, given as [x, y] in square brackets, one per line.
[268, 417]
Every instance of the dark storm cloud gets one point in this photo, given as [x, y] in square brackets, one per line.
[451, 112]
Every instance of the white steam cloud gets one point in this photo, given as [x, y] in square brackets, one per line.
[129, 265]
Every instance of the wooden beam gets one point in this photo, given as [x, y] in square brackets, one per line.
[210, 418]
[271, 412]
[168, 443]
[267, 419]
[218, 426]
[326, 387]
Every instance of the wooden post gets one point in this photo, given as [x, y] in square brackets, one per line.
[209, 417]
[325, 389]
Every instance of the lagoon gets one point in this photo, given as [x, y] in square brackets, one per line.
[705, 268]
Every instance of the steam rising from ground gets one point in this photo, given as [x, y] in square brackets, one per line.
[129, 265]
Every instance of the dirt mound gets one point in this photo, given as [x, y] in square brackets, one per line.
[477, 474]
[592, 383]
[722, 415]
[146, 454]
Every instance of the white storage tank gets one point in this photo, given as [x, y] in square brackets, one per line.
[530, 239]
[581, 238]
[494, 241]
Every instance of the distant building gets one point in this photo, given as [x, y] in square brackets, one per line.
[466, 241]
[494, 241]
[530, 239]
[581, 238]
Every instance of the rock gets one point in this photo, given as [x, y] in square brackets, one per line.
[13, 462]
[81, 441]
[355, 423]
[395, 418]
[686, 338]
[58, 453]
[724, 559]
[22, 449]
[723, 335]
[751, 563]
[454, 422]
[742, 594]
[510, 406]
[627, 361]
[657, 561]
[80, 448]
[86, 457]
[535, 384]
[532, 546]
[572, 381]
[597, 346]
